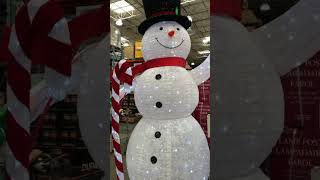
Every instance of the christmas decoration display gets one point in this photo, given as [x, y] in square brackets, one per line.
[249, 105]
[49, 35]
[167, 143]
[39, 33]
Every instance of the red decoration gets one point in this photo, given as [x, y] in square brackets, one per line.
[297, 150]
[5, 54]
[91, 24]
[28, 42]
[203, 109]
[231, 8]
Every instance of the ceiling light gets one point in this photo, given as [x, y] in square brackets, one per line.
[206, 40]
[121, 7]
[187, 1]
[204, 52]
[123, 39]
[119, 22]
[190, 18]
[265, 7]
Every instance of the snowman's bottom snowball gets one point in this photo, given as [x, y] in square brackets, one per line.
[168, 150]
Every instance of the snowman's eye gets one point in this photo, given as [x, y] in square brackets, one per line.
[161, 28]
[178, 29]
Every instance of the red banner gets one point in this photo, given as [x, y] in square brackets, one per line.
[230, 8]
[203, 108]
[298, 150]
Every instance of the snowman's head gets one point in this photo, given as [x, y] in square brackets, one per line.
[166, 39]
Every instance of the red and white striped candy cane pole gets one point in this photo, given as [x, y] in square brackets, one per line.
[122, 73]
[40, 35]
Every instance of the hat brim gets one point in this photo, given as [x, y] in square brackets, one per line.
[182, 20]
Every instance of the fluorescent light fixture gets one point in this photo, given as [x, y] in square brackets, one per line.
[121, 7]
[265, 7]
[204, 52]
[119, 22]
[206, 40]
[187, 1]
[124, 39]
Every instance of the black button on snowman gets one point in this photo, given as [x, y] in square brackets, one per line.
[157, 134]
[158, 76]
[159, 104]
[167, 143]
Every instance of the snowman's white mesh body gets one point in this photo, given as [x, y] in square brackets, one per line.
[181, 150]
[167, 143]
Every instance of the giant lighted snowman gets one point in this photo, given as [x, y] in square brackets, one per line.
[167, 143]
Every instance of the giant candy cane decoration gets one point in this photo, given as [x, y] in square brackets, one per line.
[41, 35]
[40, 31]
[121, 73]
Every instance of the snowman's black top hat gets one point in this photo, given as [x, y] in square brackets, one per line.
[162, 10]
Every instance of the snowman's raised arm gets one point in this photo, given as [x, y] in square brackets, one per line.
[292, 38]
[201, 73]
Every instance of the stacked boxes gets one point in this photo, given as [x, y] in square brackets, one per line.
[61, 140]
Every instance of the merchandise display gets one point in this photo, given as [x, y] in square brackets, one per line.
[60, 144]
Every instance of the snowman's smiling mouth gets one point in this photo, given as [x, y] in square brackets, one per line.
[168, 47]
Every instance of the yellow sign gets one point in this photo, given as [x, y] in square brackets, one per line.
[137, 49]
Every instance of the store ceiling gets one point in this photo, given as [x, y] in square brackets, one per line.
[199, 10]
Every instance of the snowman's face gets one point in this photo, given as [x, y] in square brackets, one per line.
[166, 39]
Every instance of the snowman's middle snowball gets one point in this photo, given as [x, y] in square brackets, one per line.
[174, 95]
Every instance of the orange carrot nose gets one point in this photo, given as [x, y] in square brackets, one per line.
[171, 33]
